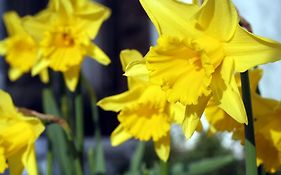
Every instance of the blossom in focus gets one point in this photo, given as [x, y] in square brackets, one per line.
[18, 134]
[20, 49]
[266, 113]
[198, 50]
[65, 32]
[144, 112]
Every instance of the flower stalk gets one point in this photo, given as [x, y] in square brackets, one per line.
[250, 149]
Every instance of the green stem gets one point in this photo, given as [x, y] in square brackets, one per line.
[250, 149]
[50, 159]
[79, 128]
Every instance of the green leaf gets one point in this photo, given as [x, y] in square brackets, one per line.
[208, 165]
[56, 135]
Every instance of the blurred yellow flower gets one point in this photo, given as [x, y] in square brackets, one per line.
[144, 112]
[65, 32]
[267, 122]
[18, 134]
[198, 51]
[19, 49]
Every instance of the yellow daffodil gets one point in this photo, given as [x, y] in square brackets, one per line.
[197, 53]
[19, 49]
[65, 32]
[18, 134]
[144, 112]
[267, 122]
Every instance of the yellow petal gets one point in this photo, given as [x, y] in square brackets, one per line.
[119, 135]
[3, 163]
[170, 17]
[29, 160]
[255, 76]
[7, 108]
[97, 54]
[248, 50]
[3, 47]
[71, 77]
[40, 66]
[117, 102]
[14, 74]
[162, 147]
[226, 93]
[179, 110]
[44, 76]
[13, 23]
[15, 162]
[193, 114]
[127, 56]
[218, 19]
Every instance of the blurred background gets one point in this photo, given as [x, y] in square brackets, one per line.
[129, 27]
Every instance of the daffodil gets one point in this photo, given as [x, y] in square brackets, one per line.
[65, 32]
[267, 122]
[18, 134]
[144, 112]
[19, 49]
[198, 50]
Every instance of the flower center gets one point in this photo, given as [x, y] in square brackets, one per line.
[64, 39]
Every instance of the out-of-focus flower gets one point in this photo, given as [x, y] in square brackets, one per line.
[144, 112]
[18, 134]
[65, 32]
[267, 123]
[19, 49]
[198, 51]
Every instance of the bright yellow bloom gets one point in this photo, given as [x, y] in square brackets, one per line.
[267, 122]
[198, 51]
[19, 48]
[18, 134]
[144, 112]
[65, 32]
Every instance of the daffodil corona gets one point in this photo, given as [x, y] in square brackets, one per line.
[18, 134]
[198, 50]
[144, 112]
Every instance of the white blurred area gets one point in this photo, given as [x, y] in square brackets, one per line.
[265, 21]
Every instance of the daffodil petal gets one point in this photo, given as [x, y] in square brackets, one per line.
[179, 110]
[97, 54]
[71, 77]
[6, 105]
[218, 19]
[13, 23]
[248, 50]
[35, 27]
[170, 17]
[44, 76]
[15, 162]
[193, 114]
[29, 160]
[119, 135]
[127, 56]
[162, 147]
[226, 92]
[3, 162]
[3, 47]
[40, 66]
[117, 102]
[14, 74]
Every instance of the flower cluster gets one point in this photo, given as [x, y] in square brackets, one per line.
[58, 37]
[193, 65]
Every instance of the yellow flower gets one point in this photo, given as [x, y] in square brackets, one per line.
[19, 48]
[267, 121]
[65, 33]
[144, 112]
[18, 134]
[198, 51]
